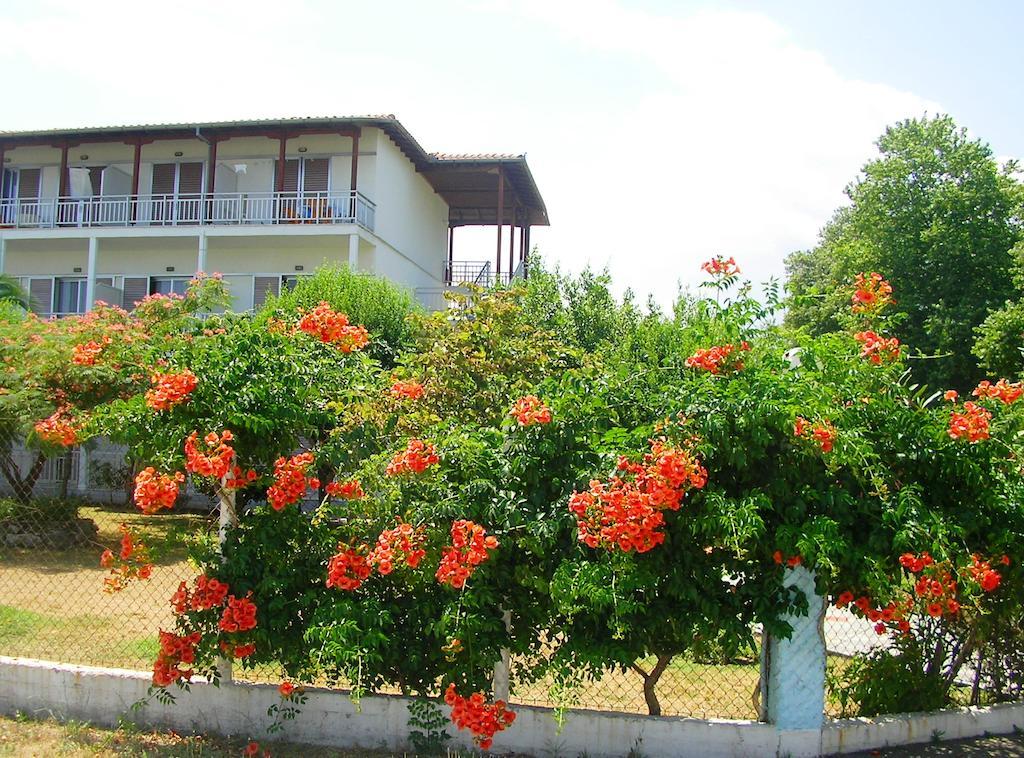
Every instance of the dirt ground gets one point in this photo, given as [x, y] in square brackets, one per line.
[1011, 746]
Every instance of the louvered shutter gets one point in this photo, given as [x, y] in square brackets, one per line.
[28, 184]
[41, 295]
[163, 178]
[314, 174]
[291, 174]
[134, 289]
[262, 285]
[190, 178]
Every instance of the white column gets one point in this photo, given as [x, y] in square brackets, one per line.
[228, 519]
[500, 676]
[793, 671]
[3, 250]
[201, 261]
[90, 276]
[83, 469]
[353, 251]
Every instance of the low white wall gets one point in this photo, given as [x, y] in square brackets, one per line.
[102, 696]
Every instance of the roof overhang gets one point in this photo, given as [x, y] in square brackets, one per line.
[468, 184]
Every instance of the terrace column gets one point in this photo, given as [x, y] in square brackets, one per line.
[353, 181]
[201, 260]
[282, 141]
[3, 252]
[501, 213]
[90, 275]
[793, 671]
[133, 200]
[451, 254]
[353, 251]
[62, 182]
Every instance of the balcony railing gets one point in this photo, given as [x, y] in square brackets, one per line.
[480, 274]
[222, 208]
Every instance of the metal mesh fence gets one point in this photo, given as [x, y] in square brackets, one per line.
[56, 522]
[57, 515]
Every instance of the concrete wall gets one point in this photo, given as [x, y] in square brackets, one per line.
[102, 696]
[411, 218]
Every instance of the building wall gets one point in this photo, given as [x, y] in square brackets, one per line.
[411, 218]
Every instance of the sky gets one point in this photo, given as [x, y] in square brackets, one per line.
[660, 132]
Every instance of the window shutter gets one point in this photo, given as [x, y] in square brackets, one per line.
[134, 289]
[291, 174]
[262, 285]
[41, 295]
[96, 179]
[315, 172]
[28, 184]
[163, 178]
[190, 178]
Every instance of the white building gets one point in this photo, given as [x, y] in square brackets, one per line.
[116, 213]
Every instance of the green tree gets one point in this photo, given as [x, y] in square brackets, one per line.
[937, 216]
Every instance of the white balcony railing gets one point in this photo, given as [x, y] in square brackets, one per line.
[225, 208]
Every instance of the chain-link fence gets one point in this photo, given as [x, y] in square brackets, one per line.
[58, 515]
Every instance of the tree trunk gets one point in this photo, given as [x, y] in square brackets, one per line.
[651, 680]
[22, 486]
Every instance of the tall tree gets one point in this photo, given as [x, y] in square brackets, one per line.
[938, 216]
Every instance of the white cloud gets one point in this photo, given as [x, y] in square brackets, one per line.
[656, 139]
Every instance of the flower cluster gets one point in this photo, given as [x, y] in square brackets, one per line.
[971, 424]
[469, 548]
[718, 359]
[626, 513]
[822, 432]
[333, 328]
[892, 615]
[399, 544]
[58, 429]
[872, 293]
[791, 561]
[290, 480]
[934, 585]
[347, 490]
[131, 562]
[239, 479]
[154, 491]
[721, 266]
[407, 390]
[175, 650]
[170, 389]
[529, 410]
[473, 713]
[348, 569]
[239, 615]
[1001, 390]
[415, 459]
[983, 573]
[877, 349]
[208, 593]
[86, 353]
[237, 651]
[214, 459]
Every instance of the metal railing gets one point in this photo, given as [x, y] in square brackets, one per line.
[479, 273]
[222, 208]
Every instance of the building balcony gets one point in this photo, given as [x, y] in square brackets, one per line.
[219, 208]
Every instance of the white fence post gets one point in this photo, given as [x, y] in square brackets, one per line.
[501, 679]
[228, 518]
[793, 672]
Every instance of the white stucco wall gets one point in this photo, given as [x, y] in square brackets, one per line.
[412, 219]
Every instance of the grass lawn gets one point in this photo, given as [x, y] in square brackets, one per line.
[26, 737]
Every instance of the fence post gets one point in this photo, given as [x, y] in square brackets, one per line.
[793, 672]
[228, 518]
[500, 679]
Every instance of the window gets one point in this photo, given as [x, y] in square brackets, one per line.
[168, 285]
[290, 281]
[69, 296]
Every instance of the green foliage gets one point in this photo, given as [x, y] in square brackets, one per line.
[48, 511]
[938, 217]
[427, 733]
[886, 681]
[378, 304]
[999, 346]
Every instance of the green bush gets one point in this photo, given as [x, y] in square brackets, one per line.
[378, 304]
[48, 511]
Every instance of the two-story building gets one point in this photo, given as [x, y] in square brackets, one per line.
[116, 213]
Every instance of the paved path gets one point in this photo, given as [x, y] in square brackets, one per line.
[1011, 746]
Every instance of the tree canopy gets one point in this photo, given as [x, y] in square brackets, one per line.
[937, 215]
